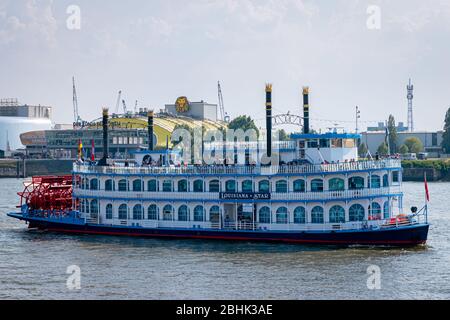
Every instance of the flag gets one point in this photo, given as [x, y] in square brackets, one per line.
[80, 148]
[93, 151]
[427, 193]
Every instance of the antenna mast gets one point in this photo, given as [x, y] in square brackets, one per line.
[410, 97]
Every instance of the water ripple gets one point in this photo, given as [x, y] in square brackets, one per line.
[33, 265]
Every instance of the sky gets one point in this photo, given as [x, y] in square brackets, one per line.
[349, 52]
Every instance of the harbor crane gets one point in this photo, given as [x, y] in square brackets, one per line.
[76, 116]
[124, 107]
[221, 105]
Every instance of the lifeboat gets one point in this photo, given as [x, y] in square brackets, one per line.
[400, 220]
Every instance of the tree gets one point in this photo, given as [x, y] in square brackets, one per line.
[446, 135]
[283, 136]
[403, 149]
[383, 149]
[393, 136]
[243, 122]
[362, 150]
[414, 145]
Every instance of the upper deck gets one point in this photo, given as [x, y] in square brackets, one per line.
[330, 168]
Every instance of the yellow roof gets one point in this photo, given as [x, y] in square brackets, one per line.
[163, 125]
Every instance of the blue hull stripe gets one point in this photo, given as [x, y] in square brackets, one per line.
[402, 236]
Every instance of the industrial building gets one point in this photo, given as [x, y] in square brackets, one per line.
[17, 118]
[431, 140]
[381, 126]
[128, 132]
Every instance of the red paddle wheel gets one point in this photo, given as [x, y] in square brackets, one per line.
[48, 194]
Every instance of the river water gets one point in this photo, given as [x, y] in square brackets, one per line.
[34, 265]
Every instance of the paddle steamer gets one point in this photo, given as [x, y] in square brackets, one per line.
[312, 189]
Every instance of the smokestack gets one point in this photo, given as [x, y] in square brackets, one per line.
[150, 130]
[269, 119]
[305, 110]
[102, 162]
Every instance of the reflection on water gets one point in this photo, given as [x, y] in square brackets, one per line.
[33, 264]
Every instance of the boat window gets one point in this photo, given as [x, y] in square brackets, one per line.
[86, 184]
[299, 185]
[247, 186]
[123, 212]
[168, 212]
[386, 180]
[337, 214]
[182, 185]
[336, 143]
[214, 186]
[152, 185]
[167, 186]
[356, 213]
[109, 211]
[387, 211]
[301, 144]
[214, 214]
[282, 215]
[230, 186]
[300, 215]
[152, 212]
[94, 208]
[94, 184]
[281, 186]
[324, 143]
[137, 212]
[123, 185]
[137, 185]
[317, 215]
[355, 183]
[349, 143]
[395, 177]
[313, 143]
[264, 186]
[264, 215]
[374, 211]
[198, 186]
[375, 181]
[109, 185]
[317, 185]
[183, 213]
[336, 184]
[199, 213]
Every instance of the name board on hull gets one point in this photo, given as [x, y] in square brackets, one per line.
[244, 196]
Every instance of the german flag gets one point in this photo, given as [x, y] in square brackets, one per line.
[80, 149]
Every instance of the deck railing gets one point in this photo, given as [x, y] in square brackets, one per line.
[200, 196]
[255, 226]
[239, 169]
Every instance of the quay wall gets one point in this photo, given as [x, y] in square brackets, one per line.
[18, 168]
[436, 170]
